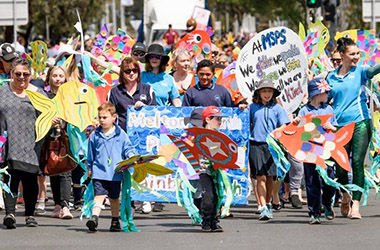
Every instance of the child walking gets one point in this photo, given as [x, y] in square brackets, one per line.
[318, 95]
[265, 116]
[107, 146]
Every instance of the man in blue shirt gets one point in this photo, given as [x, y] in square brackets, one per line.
[206, 92]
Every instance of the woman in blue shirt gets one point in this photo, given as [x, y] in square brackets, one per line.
[350, 105]
[161, 82]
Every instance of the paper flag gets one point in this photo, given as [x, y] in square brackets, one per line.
[310, 142]
[75, 102]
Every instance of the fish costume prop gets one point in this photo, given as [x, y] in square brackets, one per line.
[39, 57]
[75, 103]
[198, 43]
[4, 186]
[309, 142]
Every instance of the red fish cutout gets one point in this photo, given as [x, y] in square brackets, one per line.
[197, 42]
[211, 144]
[309, 142]
[229, 82]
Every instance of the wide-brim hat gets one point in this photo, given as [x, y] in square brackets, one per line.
[266, 83]
[317, 86]
[157, 49]
[195, 118]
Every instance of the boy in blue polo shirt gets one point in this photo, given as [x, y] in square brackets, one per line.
[318, 94]
[108, 145]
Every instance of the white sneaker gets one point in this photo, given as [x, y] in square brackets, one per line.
[146, 207]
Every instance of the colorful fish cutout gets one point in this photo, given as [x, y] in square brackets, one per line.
[365, 39]
[118, 46]
[102, 37]
[211, 144]
[39, 57]
[143, 166]
[3, 139]
[316, 39]
[197, 42]
[229, 82]
[75, 102]
[309, 142]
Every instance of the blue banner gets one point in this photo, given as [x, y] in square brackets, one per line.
[144, 131]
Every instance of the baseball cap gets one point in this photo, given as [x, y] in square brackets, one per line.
[8, 52]
[195, 118]
[317, 86]
[211, 111]
[138, 46]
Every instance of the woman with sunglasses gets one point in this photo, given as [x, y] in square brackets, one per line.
[350, 105]
[130, 91]
[18, 117]
[155, 75]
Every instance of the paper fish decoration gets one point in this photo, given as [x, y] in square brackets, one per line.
[310, 142]
[365, 39]
[197, 42]
[39, 56]
[75, 102]
[211, 144]
[316, 39]
[102, 37]
[3, 139]
[229, 82]
[118, 46]
[142, 165]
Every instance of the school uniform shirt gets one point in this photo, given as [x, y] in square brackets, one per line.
[213, 95]
[163, 86]
[264, 119]
[122, 99]
[101, 148]
[323, 109]
[348, 92]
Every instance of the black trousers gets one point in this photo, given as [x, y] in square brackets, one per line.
[61, 188]
[209, 198]
[76, 175]
[30, 191]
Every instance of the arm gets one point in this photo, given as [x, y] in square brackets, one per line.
[104, 64]
[186, 99]
[174, 94]
[128, 149]
[177, 102]
[372, 71]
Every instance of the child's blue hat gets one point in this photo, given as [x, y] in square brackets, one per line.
[317, 86]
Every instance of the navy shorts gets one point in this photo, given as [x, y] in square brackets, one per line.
[109, 188]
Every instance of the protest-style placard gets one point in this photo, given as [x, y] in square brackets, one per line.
[276, 54]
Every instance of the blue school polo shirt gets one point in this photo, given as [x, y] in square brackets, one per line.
[163, 86]
[348, 93]
[264, 119]
[324, 109]
[213, 95]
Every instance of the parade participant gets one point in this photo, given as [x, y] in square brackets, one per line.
[130, 91]
[138, 52]
[60, 184]
[336, 59]
[212, 119]
[161, 82]
[18, 117]
[207, 92]
[7, 55]
[265, 116]
[181, 60]
[317, 106]
[350, 105]
[107, 146]
[170, 37]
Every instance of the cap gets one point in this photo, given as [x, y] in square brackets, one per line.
[138, 46]
[317, 86]
[211, 111]
[8, 52]
[195, 118]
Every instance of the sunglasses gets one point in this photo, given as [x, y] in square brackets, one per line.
[20, 74]
[155, 56]
[336, 60]
[128, 71]
[139, 53]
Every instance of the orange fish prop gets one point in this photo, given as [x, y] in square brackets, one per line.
[211, 144]
[309, 142]
[229, 82]
[197, 42]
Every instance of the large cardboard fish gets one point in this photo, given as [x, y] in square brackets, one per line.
[39, 56]
[75, 102]
[309, 142]
[198, 43]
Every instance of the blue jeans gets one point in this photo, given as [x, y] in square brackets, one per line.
[314, 184]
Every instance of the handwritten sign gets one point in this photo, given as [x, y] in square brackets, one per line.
[276, 54]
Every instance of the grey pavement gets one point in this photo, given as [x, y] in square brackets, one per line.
[171, 229]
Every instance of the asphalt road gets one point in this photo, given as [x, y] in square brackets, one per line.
[171, 229]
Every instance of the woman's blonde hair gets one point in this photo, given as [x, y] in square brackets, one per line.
[176, 54]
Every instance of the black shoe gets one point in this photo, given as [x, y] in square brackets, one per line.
[9, 221]
[277, 207]
[206, 226]
[295, 200]
[115, 226]
[31, 222]
[92, 225]
[215, 227]
[158, 207]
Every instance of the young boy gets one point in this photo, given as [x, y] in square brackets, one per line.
[107, 146]
[318, 95]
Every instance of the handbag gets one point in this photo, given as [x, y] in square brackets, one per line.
[56, 155]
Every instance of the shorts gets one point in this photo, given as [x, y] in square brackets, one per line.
[260, 160]
[109, 188]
